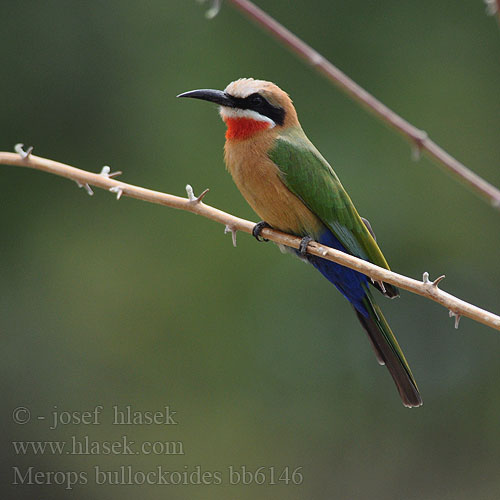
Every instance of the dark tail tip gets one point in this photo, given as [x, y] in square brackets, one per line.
[388, 355]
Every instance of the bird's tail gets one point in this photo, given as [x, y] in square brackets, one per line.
[389, 353]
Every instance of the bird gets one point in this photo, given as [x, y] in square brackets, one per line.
[293, 189]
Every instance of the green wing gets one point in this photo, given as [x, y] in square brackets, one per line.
[309, 176]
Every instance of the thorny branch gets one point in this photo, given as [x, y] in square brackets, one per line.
[104, 180]
[419, 138]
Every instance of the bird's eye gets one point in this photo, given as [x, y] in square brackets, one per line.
[256, 100]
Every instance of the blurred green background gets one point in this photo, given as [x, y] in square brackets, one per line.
[128, 303]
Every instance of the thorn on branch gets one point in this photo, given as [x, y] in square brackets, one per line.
[233, 231]
[18, 148]
[192, 198]
[380, 283]
[491, 7]
[457, 318]
[214, 8]
[418, 141]
[106, 172]
[118, 190]
[435, 283]
[315, 59]
[438, 280]
[202, 195]
[87, 188]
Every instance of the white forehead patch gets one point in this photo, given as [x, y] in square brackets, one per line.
[226, 112]
[245, 87]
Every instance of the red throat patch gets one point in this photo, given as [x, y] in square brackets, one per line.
[243, 128]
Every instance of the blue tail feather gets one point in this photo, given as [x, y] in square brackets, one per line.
[351, 284]
[354, 287]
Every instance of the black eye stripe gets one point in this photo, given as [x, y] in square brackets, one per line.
[259, 104]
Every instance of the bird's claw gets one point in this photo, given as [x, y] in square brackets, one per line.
[257, 229]
[303, 245]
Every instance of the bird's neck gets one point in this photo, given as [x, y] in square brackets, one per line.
[243, 128]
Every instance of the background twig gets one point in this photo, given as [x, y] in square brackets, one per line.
[104, 180]
[417, 137]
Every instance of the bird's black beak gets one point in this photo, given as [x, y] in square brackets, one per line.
[217, 96]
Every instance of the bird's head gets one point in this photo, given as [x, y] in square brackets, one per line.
[250, 106]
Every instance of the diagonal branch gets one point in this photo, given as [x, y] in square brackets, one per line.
[104, 180]
[417, 137]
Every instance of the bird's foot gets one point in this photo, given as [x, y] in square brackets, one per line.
[257, 230]
[303, 245]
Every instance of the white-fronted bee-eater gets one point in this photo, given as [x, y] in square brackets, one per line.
[293, 189]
